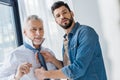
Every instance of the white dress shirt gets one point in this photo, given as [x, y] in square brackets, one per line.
[17, 57]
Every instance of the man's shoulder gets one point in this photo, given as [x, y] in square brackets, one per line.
[83, 26]
[13, 53]
[87, 31]
[86, 27]
[20, 48]
[17, 50]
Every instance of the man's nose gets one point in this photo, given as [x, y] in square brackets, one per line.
[38, 32]
[61, 16]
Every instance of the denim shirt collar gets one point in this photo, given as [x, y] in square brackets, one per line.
[73, 30]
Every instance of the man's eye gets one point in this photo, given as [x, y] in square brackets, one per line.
[57, 16]
[34, 29]
[64, 12]
[41, 29]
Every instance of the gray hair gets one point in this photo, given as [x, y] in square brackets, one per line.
[31, 17]
[34, 17]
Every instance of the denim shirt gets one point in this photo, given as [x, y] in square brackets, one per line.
[86, 61]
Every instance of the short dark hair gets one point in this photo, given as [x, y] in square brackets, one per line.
[59, 4]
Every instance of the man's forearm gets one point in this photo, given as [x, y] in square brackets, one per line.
[57, 63]
[55, 74]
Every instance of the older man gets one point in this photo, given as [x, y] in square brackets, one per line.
[21, 62]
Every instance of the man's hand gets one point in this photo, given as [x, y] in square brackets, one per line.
[48, 56]
[40, 73]
[22, 70]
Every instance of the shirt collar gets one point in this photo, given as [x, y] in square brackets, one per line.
[28, 41]
[73, 30]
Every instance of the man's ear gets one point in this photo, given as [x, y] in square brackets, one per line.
[24, 32]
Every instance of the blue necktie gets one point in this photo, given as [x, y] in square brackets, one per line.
[40, 57]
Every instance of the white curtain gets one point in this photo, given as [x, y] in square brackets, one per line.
[53, 32]
[110, 21]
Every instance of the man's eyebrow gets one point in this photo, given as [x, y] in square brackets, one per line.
[64, 10]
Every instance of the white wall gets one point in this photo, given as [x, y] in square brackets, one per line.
[103, 16]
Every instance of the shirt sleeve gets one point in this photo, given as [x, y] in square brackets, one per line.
[85, 51]
[9, 67]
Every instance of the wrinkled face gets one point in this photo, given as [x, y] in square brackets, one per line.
[34, 31]
[63, 17]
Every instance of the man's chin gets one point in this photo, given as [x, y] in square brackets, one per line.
[37, 43]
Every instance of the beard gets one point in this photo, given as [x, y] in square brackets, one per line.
[36, 43]
[67, 25]
[39, 42]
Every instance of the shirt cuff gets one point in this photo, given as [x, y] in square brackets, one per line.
[67, 72]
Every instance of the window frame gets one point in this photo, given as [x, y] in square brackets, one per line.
[16, 16]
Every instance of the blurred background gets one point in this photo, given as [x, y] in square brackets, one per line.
[102, 15]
